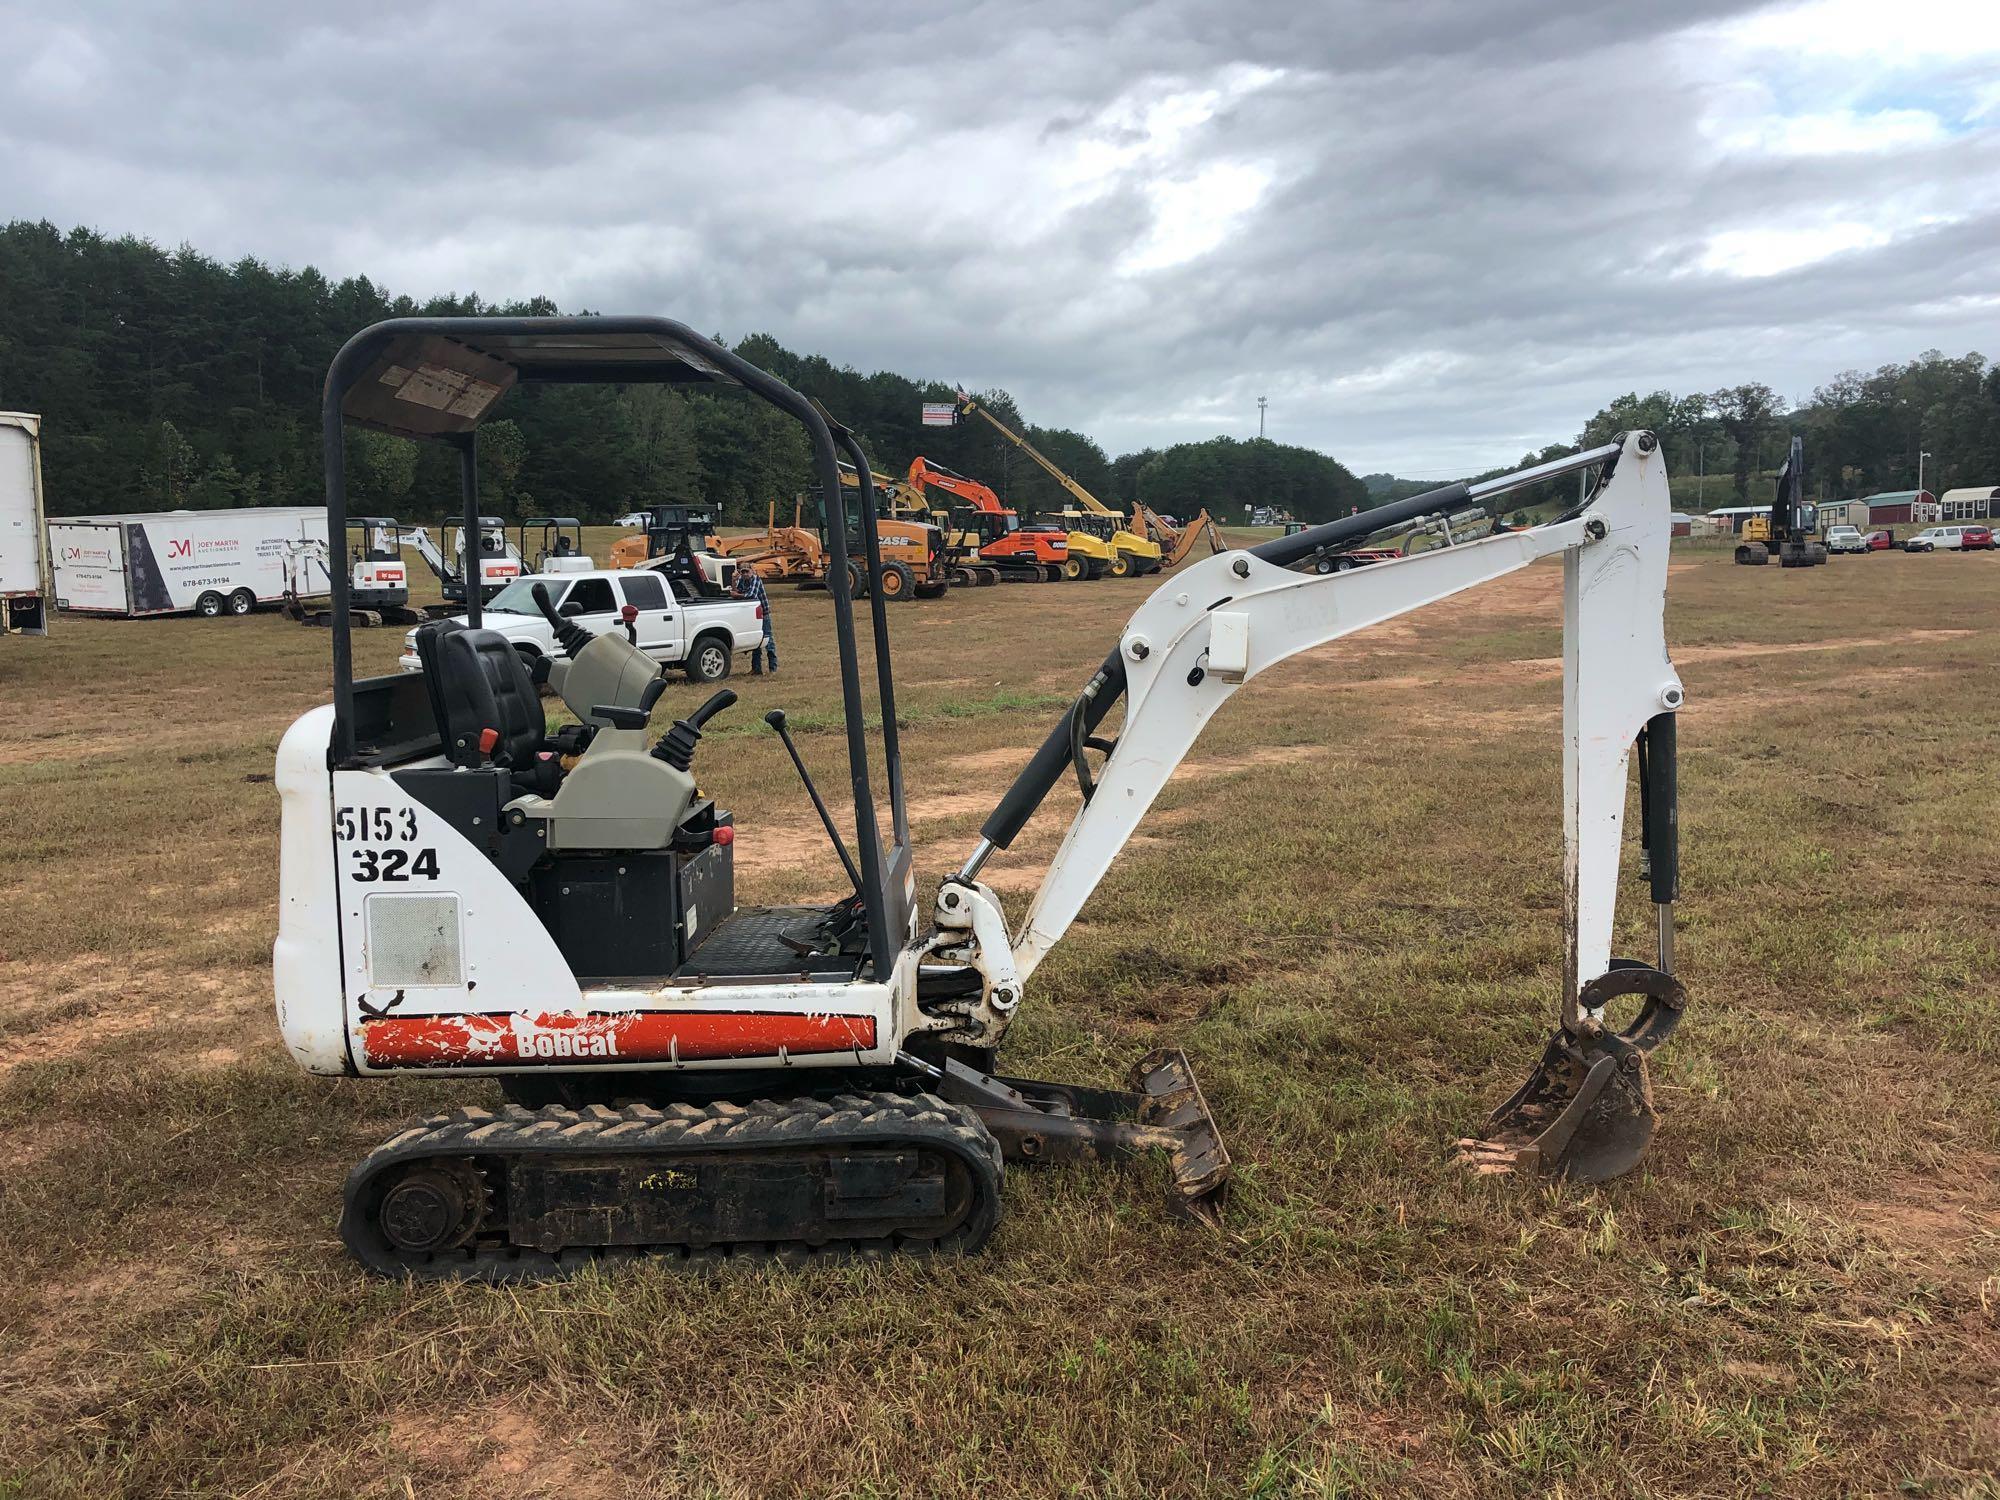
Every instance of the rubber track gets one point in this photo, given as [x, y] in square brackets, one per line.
[844, 1121]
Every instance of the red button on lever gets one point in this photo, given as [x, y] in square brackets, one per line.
[629, 613]
[725, 835]
[488, 738]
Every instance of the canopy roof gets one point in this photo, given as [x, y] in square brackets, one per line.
[442, 377]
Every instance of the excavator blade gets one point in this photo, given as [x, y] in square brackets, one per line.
[1171, 1101]
[1585, 1113]
[1063, 1122]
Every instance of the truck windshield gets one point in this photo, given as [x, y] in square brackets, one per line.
[518, 598]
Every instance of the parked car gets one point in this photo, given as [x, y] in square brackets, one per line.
[1977, 539]
[1881, 541]
[696, 633]
[1936, 539]
[631, 518]
[1845, 539]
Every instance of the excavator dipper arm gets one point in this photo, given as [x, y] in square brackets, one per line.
[1224, 620]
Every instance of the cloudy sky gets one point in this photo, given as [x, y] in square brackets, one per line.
[1435, 233]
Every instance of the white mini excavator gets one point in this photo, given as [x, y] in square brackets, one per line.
[464, 893]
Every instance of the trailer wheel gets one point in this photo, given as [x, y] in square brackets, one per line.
[709, 661]
[1122, 565]
[242, 602]
[1075, 568]
[1051, 572]
[210, 606]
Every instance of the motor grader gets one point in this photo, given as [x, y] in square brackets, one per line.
[466, 894]
[913, 562]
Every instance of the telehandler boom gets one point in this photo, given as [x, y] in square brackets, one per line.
[1101, 541]
[691, 1080]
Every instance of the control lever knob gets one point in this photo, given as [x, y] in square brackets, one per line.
[677, 745]
[571, 636]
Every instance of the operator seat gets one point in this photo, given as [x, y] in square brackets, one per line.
[479, 683]
[429, 637]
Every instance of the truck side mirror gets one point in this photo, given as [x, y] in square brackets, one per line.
[572, 609]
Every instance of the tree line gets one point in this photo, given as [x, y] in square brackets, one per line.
[170, 380]
[1863, 431]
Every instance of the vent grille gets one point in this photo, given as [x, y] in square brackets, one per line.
[413, 940]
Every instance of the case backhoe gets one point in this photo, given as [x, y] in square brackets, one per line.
[1101, 540]
[1177, 543]
[466, 894]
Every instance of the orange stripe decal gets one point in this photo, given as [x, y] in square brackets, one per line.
[467, 1041]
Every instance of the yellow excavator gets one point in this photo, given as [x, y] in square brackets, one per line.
[1101, 540]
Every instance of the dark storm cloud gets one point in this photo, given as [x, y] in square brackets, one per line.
[1435, 234]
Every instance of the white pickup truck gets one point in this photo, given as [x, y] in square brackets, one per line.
[698, 634]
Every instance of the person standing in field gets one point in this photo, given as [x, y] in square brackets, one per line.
[750, 586]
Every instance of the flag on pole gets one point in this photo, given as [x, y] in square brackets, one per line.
[940, 414]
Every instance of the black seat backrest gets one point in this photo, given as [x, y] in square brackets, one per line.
[485, 684]
[430, 650]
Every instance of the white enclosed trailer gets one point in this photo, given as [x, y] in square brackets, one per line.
[24, 555]
[213, 562]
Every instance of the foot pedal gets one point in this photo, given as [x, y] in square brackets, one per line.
[1171, 1101]
[1586, 1112]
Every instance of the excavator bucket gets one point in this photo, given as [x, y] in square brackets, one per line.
[1586, 1112]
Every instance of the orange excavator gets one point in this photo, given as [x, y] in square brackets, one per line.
[1023, 554]
[1177, 542]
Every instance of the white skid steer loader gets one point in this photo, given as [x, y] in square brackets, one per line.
[691, 1079]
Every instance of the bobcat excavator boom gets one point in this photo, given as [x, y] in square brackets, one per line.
[464, 892]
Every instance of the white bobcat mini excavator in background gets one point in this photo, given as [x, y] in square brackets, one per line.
[465, 894]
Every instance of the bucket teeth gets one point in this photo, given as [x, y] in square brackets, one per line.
[1586, 1114]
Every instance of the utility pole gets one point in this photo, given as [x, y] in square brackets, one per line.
[1701, 475]
[1921, 456]
[1262, 402]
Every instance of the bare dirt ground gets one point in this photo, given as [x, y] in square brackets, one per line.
[1345, 907]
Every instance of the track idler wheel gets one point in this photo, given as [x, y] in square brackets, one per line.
[1586, 1112]
[432, 1207]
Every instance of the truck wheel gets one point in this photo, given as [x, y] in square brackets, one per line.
[209, 606]
[898, 582]
[709, 661]
[1123, 566]
[1075, 568]
[242, 602]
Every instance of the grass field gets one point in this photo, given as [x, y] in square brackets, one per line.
[1346, 909]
